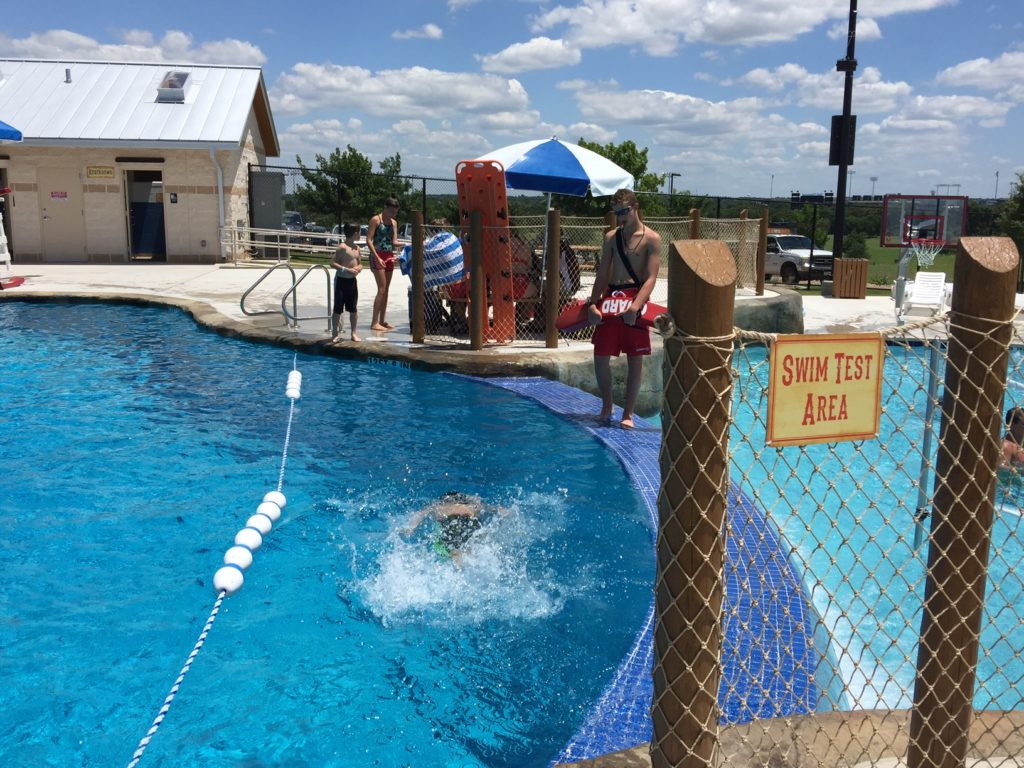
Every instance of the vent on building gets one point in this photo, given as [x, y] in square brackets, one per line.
[172, 88]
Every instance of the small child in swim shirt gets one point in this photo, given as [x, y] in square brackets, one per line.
[346, 291]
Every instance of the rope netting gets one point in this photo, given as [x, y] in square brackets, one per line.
[446, 304]
[823, 604]
[740, 235]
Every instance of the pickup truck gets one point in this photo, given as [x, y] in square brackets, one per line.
[789, 257]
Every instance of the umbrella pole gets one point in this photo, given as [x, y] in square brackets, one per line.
[544, 258]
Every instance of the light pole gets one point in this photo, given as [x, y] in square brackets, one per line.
[873, 180]
[771, 188]
[672, 178]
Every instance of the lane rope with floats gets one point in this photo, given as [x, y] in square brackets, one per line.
[229, 577]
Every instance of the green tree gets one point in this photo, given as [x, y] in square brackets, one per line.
[1011, 218]
[817, 216]
[343, 187]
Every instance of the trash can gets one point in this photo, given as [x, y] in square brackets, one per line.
[850, 278]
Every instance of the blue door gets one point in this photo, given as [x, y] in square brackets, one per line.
[146, 215]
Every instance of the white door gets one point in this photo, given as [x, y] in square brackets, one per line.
[63, 217]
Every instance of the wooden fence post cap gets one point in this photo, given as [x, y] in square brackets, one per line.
[996, 254]
[709, 260]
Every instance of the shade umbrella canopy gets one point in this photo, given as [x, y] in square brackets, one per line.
[9, 132]
[558, 167]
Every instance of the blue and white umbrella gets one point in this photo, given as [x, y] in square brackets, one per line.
[9, 132]
[558, 167]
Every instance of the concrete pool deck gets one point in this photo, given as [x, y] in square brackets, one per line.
[212, 294]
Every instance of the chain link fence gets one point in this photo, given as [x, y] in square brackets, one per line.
[845, 603]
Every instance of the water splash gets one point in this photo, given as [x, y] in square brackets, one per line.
[502, 573]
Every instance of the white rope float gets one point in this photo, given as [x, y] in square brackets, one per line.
[229, 578]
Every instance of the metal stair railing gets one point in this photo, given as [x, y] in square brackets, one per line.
[293, 316]
[263, 277]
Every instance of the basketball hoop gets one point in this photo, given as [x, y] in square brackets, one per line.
[926, 250]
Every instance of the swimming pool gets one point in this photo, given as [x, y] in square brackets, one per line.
[140, 445]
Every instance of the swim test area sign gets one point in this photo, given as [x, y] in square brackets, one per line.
[825, 388]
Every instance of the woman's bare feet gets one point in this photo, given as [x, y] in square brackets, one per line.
[604, 416]
[356, 338]
[389, 326]
[379, 327]
[627, 422]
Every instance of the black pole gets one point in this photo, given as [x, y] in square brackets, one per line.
[849, 66]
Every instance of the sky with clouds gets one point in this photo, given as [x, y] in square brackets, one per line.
[735, 96]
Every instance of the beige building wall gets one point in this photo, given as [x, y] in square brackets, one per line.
[190, 201]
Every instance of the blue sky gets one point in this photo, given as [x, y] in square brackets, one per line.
[726, 93]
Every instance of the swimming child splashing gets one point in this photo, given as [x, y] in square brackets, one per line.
[457, 516]
[460, 561]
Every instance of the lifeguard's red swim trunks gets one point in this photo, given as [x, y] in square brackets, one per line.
[613, 337]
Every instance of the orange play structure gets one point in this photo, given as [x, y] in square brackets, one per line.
[481, 187]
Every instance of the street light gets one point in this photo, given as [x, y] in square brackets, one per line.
[671, 178]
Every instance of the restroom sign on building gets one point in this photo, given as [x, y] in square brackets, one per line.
[825, 388]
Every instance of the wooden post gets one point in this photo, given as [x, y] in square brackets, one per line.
[692, 504]
[741, 246]
[695, 223]
[477, 299]
[552, 278]
[762, 245]
[969, 452]
[418, 325]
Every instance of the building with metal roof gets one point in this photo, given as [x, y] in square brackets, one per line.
[129, 161]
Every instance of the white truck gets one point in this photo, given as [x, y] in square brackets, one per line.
[794, 258]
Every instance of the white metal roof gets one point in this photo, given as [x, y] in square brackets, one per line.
[115, 104]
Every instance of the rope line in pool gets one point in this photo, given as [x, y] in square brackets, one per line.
[229, 578]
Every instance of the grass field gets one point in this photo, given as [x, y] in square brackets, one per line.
[884, 263]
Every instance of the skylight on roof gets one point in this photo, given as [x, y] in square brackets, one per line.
[172, 88]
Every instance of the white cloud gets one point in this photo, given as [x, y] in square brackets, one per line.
[136, 45]
[590, 132]
[871, 94]
[538, 53]
[427, 31]
[987, 112]
[1004, 74]
[867, 29]
[661, 26]
[394, 93]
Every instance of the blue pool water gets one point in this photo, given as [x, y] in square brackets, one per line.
[135, 446]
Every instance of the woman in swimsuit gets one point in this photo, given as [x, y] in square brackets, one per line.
[380, 239]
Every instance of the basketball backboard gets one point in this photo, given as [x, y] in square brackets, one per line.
[923, 217]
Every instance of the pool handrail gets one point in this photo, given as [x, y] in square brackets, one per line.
[251, 288]
[293, 317]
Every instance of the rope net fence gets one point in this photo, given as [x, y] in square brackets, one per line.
[822, 604]
[580, 242]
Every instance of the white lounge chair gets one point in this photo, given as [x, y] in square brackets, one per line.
[928, 291]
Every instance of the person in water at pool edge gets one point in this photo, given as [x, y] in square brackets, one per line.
[457, 516]
[1013, 440]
